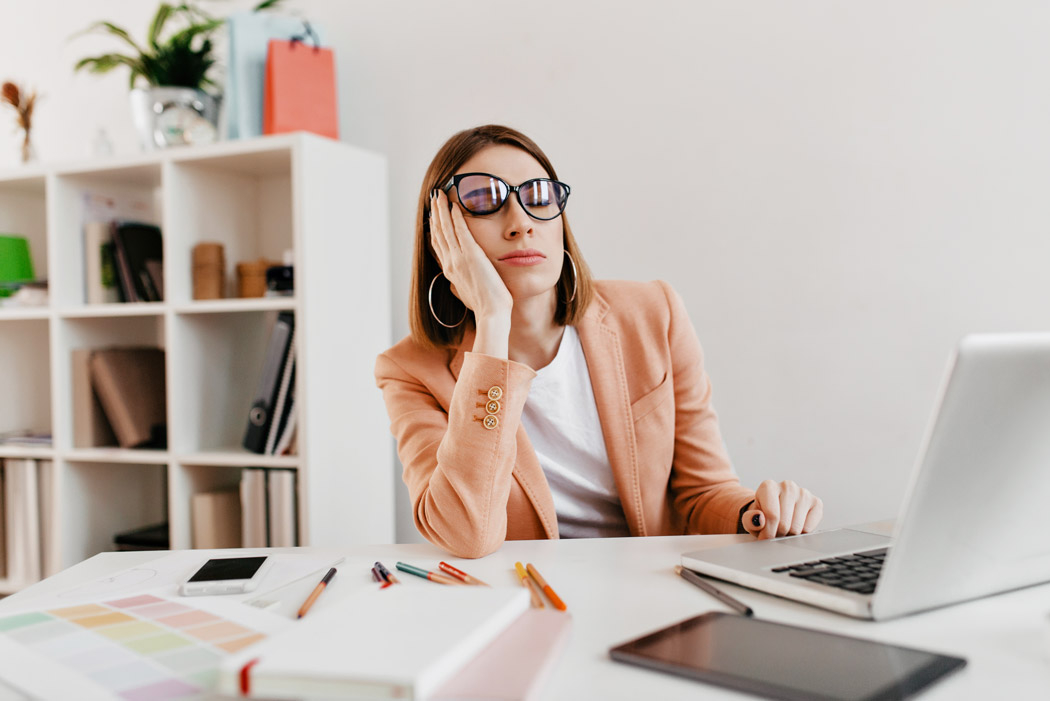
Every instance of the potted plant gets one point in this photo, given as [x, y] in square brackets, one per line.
[174, 107]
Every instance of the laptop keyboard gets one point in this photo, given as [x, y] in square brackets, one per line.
[857, 572]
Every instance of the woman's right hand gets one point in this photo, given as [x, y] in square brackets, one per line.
[473, 278]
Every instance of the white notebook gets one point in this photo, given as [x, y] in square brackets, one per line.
[403, 641]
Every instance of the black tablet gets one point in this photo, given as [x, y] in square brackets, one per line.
[785, 662]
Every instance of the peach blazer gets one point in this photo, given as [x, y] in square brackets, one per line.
[472, 474]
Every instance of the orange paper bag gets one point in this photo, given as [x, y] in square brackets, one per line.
[299, 92]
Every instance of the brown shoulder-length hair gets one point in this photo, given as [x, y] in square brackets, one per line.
[426, 330]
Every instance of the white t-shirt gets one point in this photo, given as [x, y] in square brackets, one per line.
[561, 420]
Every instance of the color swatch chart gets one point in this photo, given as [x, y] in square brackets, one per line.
[142, 647]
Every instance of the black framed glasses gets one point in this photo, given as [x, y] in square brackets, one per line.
[481, 194]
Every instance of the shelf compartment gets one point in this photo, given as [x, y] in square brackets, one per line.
[215, 350]
[23, 212]
[97, 500]
[194, 478]
[131, 192]
[25, 376]
[242, 201]
[96, 333]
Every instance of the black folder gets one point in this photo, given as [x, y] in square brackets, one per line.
[263, 410]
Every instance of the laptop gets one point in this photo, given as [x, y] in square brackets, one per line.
[968, 527]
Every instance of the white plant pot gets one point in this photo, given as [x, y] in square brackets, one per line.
[174, 117]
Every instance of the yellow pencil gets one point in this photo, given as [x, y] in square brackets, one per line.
[537, 600]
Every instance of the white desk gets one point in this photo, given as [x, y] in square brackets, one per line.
[619, 588]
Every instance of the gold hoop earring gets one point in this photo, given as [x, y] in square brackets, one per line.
[430, 301]
[575, 278]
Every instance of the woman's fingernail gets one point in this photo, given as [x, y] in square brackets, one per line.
[756, 520]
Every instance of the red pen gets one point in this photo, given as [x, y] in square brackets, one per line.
[460, 574]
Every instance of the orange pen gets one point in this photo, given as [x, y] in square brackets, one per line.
[537, 600]
[316, 593]
[555, 599]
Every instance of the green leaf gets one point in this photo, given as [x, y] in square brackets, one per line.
[266, 5]
[110, 28]
[107, 62]
[186, 35]
[163, 13]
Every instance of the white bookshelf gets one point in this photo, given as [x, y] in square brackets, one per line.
[323, 200]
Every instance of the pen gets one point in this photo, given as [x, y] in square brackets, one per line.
[432, 576]
[555, 599]
[694, 578]
[537, 600]
[377, 575]
[460, 574]
[385, 573]
[316, 593]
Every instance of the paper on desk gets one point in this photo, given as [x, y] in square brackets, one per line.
[161, 577]
[133, 645]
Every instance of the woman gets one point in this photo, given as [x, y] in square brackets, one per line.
[531, 401]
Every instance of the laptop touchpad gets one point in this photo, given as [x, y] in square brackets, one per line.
[841, 540]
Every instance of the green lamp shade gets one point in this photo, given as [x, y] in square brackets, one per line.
[15, 263]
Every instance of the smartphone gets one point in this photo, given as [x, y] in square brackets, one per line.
[228, 575]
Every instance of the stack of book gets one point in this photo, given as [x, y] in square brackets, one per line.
[25, 520]
[26, 438]
[261, 513]
[268, 508]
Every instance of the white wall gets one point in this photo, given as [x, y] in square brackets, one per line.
[838, 190]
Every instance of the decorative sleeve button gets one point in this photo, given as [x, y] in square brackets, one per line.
[492, 406]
